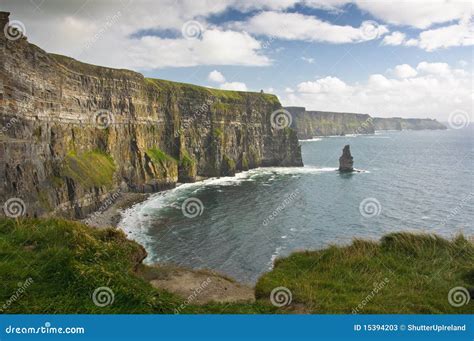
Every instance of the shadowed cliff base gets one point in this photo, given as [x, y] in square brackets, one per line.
[67, 267]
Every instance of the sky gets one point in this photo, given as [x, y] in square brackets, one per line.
[407, 58]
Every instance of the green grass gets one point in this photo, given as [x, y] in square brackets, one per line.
[160, 157]
[92, 168]
[186, 160]
[218, 133]
[404, 273]
[193, 91]
[67, 261]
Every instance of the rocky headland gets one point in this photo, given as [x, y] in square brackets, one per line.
[309, 124]
[77, 135]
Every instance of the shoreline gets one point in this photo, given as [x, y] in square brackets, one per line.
[110, 217]
[182, 281]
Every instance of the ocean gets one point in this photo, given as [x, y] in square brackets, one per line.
[407, 181]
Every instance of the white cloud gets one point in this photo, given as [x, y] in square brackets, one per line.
[404, 71]
[461, 34]
[417, 13]
[133, 41]
[62, 29]
[435, 91]
[323, 85]
[395, 38]
[216, 76]
[295, 26]
[411, 42]
[440, 69]
[308, 60]
[237, 86]
[215, 48]
[333, 5]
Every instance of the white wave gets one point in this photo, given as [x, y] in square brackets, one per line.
[274, 257]
[136, 220]
[319, 138]
[292, 170]
[314, 139]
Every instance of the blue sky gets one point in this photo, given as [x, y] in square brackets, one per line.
[388, 58]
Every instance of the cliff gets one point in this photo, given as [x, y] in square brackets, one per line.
[397, 123]
[322, 123]
[75, 133]
[309, 124]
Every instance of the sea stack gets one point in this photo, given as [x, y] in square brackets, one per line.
[345, 161]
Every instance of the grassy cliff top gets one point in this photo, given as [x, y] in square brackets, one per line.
[55, 266]
[226, 95]
[59, 264]
[93, 70]
[160, 84]
[402, 274]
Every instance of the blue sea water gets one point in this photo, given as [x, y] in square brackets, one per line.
[409, 181]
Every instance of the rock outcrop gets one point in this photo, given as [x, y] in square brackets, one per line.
[74, 135]
[309, 124]
[346, 161]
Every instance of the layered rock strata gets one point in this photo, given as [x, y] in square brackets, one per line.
[76, 135]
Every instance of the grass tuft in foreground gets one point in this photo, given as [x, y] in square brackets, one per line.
[54, 266]
[403, 273]
[58, 264]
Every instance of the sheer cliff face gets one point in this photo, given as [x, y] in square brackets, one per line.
[320, 123]
[74, 133]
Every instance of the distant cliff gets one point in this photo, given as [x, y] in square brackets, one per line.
[73, 133]
[322, 123]
[397, 123]
[309, 124]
